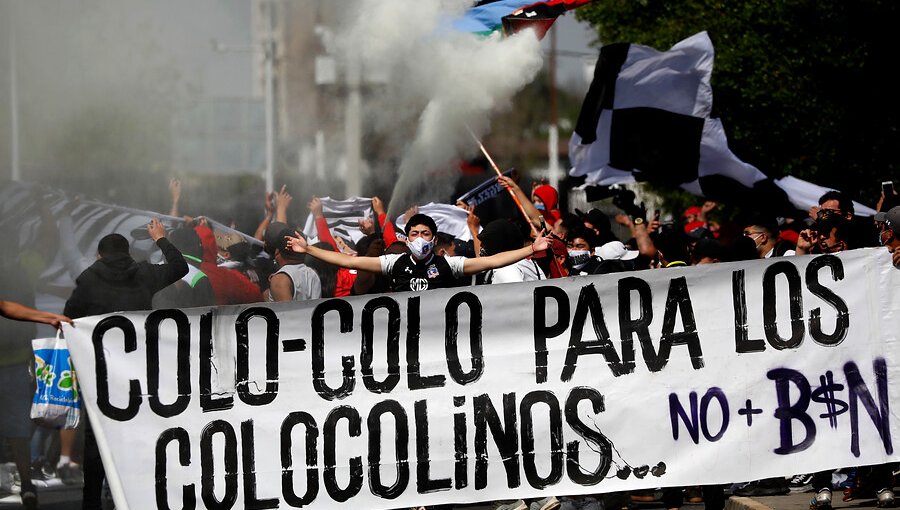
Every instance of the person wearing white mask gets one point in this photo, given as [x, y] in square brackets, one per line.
[420, 269]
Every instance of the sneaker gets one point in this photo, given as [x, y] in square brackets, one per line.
[885, 498]
[550, 503]
[800, 483]
[70, 474]
[515, 505]
[37, 473]
[29, 497]
[821, 501]
[7, 477]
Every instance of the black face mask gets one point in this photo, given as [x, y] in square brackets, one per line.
[824, 247]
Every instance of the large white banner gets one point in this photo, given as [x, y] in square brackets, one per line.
[668, 377]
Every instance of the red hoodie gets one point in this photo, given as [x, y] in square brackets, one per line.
[229, 287]
[550, 197]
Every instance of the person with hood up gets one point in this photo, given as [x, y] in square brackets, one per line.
[546, 200]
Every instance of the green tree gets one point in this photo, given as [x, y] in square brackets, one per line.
[803, 87]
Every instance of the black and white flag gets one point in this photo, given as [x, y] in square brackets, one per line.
[65, 229]
[343, 217]
[646, 117]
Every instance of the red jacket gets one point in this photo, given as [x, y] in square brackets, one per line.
[229, 287]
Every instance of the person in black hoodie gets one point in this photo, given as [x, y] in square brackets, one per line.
[116, 283]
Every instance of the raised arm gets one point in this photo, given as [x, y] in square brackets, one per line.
[505, 258]
[534, 216]
[175, 266]
[473, 222]
[315, 208]
[282, 201]
[299, 245]
[387, 227]
[640, 232]
[175, 193]
[269, 204]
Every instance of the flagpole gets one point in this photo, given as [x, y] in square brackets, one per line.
[553, 130]
[500, 174]
[13, 98]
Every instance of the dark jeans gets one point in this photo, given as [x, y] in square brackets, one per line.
[673, 497]
[713, 497]
[94, 473]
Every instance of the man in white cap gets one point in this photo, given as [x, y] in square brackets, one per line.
[615, 257]
[616, 250]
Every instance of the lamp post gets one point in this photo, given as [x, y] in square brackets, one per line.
[13, 98]
[353, 127]
[553, 130]
[269, 49]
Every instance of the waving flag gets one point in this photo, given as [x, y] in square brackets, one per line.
[32, 215]
[449, 219]
[489, 16]
[646, 117]
[343, 218]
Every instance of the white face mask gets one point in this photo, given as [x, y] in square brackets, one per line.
[578, 258]
[420, 248]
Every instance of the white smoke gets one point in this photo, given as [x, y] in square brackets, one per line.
[443, 80]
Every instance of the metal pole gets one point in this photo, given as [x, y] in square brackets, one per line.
[320, 154]
[353, 127]
[553, 131]
[270, 100]
[13, 98]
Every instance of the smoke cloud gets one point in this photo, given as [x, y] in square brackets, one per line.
[441, 83]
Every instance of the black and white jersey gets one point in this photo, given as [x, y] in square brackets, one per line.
[435, 272]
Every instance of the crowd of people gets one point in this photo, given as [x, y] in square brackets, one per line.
[206, 267]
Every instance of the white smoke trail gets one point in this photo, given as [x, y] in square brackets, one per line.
[442, 79]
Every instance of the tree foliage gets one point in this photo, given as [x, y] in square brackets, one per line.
[803, 87]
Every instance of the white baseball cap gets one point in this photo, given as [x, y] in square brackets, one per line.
[615, 250]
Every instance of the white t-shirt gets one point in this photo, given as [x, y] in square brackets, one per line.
[771, 253]
[525, 270]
